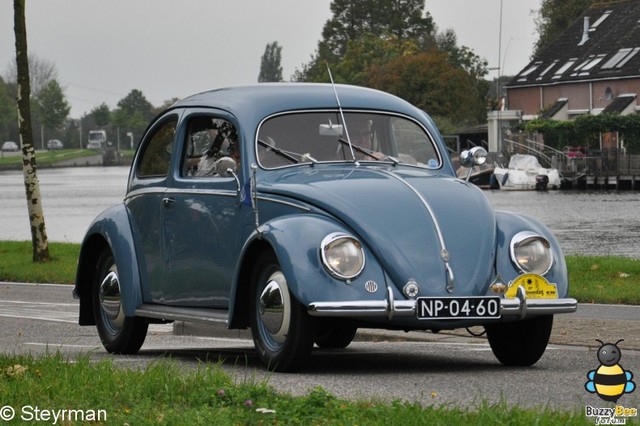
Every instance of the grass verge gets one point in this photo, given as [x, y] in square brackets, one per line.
[50, 157]
[163, 393]
[593, 279]
[17, 263]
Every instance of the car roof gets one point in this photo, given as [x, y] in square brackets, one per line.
[260, 100]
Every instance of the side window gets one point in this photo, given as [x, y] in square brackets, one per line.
[211, 149]
[156, 156]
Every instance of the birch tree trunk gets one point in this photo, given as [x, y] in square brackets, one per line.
[29, 165]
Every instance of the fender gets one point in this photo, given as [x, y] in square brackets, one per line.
[295, 240]
[110, 230]
[509, 224]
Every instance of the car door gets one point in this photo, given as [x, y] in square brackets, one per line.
[201, 208]
[147, 185]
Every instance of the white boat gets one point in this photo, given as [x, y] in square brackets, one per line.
[525, 173]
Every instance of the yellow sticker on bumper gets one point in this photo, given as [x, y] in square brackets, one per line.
[536, 287]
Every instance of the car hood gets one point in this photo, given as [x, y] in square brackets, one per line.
[406, 217]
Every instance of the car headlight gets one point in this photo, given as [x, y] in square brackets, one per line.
[342, 255]
[531, 253]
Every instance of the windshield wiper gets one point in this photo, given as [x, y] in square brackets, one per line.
[368, 152]
[278, 151]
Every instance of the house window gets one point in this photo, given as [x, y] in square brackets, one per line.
[600, 20]
[620, 58]
[587, 65]
[523, 75]
[547, 69]
[564, 68]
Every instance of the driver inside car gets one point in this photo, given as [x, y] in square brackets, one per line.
[221, 152]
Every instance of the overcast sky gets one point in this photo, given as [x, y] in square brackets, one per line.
[102, 49]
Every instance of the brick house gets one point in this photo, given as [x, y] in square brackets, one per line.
[592, 67]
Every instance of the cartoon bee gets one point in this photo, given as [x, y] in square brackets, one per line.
[610, 381]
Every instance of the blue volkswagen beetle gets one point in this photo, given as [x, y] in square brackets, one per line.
[305, 212]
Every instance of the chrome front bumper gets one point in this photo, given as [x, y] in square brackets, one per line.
[518, 307]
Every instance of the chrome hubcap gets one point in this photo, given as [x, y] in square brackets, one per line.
[111, 300]
[274, 307]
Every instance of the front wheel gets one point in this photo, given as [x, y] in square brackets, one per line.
[520, 343]
[119, 333]
[282, 330]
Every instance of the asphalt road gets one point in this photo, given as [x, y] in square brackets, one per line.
[432, 369]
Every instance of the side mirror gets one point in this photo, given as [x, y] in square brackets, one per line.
[224, 164]
[475, 156]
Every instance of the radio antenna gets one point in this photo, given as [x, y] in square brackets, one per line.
[344, 122]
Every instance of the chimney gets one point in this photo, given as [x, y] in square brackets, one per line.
[585, 31]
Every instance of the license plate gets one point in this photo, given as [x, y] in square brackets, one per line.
[458, 307]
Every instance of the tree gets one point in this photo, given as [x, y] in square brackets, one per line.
[133, 113]
[136, 102]
[402, 19]
[29, 165]
[52, 106]
[396, 21]
[429, 81]
[555, 16]
[41, 72]
[101, 115]
[270, 68]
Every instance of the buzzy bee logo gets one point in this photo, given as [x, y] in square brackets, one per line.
[610, 381]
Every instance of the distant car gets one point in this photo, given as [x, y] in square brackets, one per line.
[10, 146]
[54, 144]
[305, 212]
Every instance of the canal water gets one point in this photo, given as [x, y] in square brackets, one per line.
[589, 223]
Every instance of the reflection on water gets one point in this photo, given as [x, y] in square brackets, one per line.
[590, 223]
[71, 199]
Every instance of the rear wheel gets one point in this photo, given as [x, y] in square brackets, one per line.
[335, 334]
[119, 333]
[282, 330]
[520, 343]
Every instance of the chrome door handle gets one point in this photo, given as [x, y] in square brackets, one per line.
[168, 202]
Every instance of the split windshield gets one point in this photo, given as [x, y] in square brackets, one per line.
[313, 137]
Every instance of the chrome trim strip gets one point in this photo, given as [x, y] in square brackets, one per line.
[444, 253]
[170, 313]
[224, 193]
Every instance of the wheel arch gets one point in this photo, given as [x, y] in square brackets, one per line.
[239, 306]
[111, 230]
[511, 223]
[295, 242]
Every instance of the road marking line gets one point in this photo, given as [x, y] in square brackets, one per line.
[38, 318]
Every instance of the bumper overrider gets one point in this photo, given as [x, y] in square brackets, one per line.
[518, 307]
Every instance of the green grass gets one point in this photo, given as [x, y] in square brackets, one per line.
[604, 279]
[593, 279]
[164, 393]
[17, 263]
[50, 157]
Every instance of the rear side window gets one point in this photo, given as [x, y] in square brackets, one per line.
[156, 156]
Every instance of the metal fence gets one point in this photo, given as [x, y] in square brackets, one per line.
[574, 163]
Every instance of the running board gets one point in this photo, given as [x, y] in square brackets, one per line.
[173, 313]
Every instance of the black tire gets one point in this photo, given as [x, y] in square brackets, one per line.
[119, 334]
[520, 343]
[335, 334]
[282, 330]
